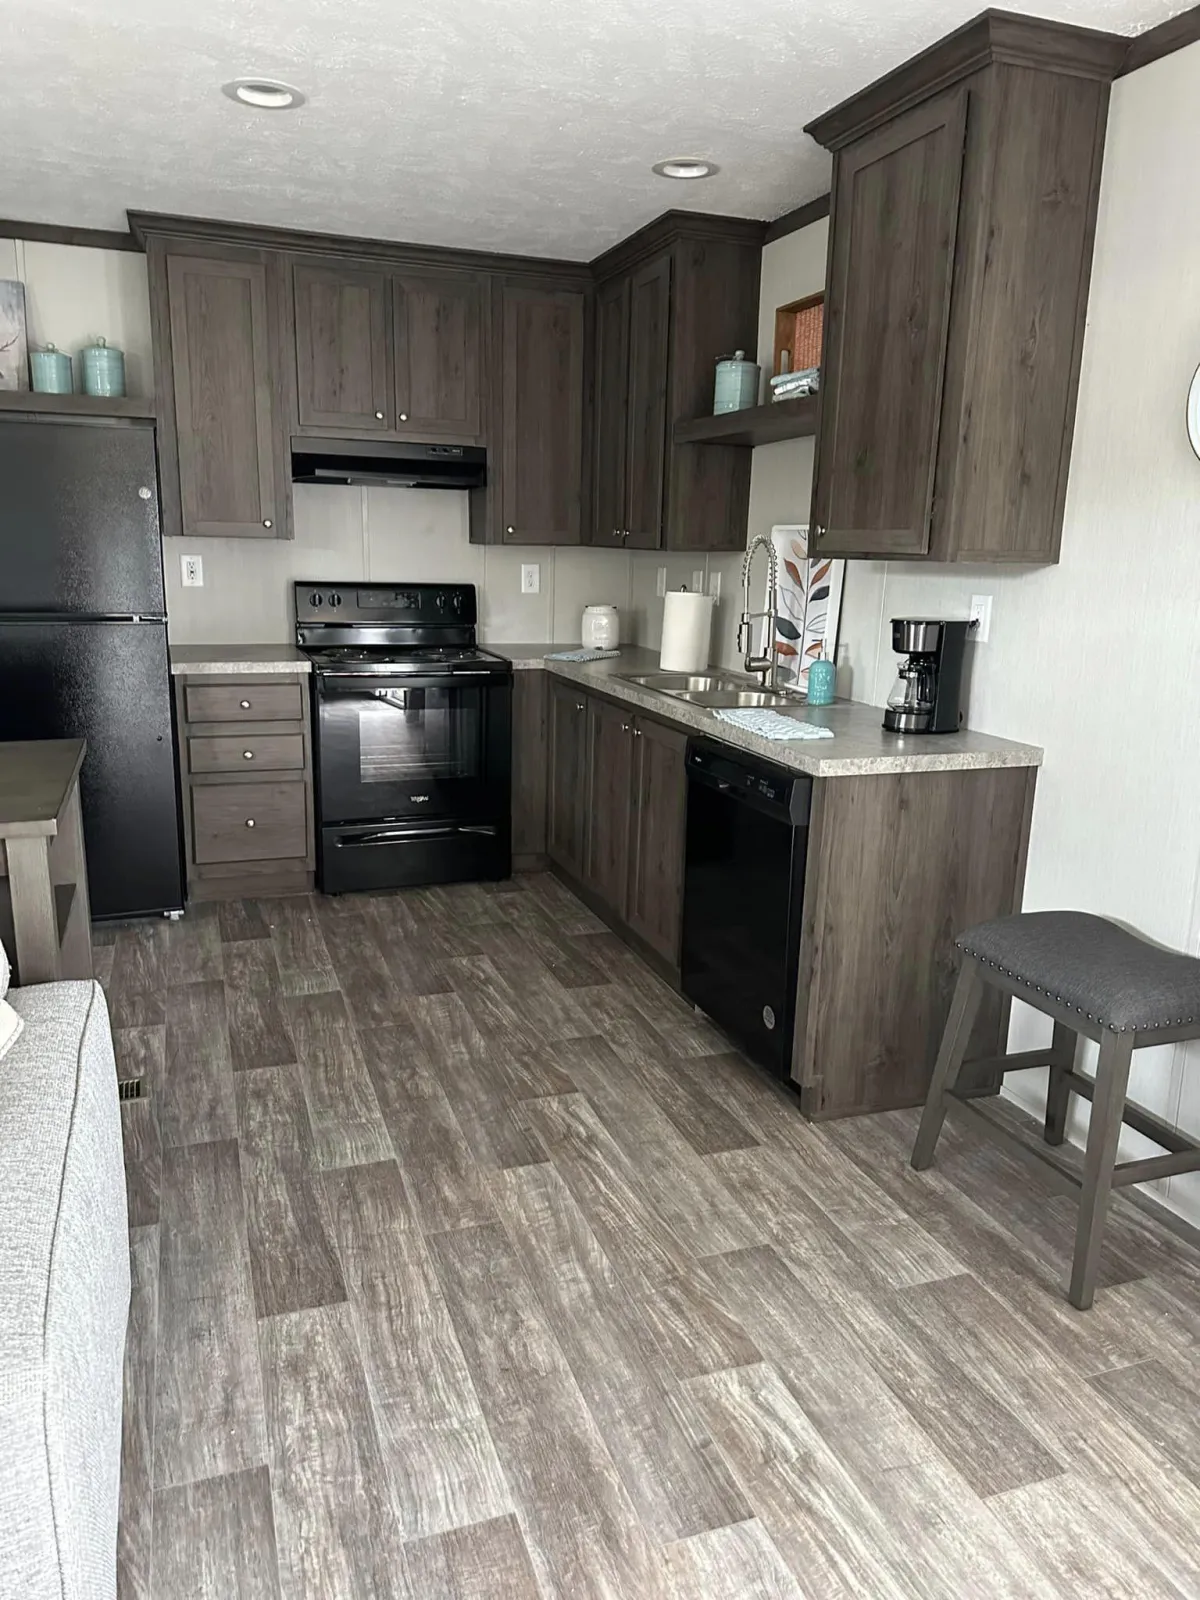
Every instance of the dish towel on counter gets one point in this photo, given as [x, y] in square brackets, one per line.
[582, 655]
[770, 725]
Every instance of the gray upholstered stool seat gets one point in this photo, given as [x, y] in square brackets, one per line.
[1097, 980]
[1114, 978]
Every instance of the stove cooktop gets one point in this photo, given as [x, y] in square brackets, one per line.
[402, 658]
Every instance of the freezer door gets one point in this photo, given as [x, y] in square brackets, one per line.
[79, 531]
[108, 683]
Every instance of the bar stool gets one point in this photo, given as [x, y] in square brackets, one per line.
[1096, 980]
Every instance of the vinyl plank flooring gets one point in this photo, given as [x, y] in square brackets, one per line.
[259, 1035]
[135, 1522]
[362, 973]
[495, 1010]
[143, 1161]
[293, 1263]
[139, 959]
[208, 1405]
[567, 915]
[217, 1537]
[348, 1129]
[486, 1561]
[103, 959]
[694, 1332]
[444, 1181]
[192, 948]
[587, 1542]
[655, 1439]
[528, 931]
[411, 953]
[141, 1053]
[135, 1008]
[241, 919]
[632, 1232]
[195, 1098]
[304, 964]
[737, 1563]
[442, 1459]
[1161, 1406]
[335, 1522]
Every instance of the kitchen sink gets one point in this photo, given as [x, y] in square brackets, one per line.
[721, 699]
[686, 684]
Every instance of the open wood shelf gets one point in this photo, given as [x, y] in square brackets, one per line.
[74, 405]
[779, 419]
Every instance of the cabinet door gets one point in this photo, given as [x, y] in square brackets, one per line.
[886, 319]
[224, 417]
[612, 418]
[610, 771]
[649, 331]
[529, 751]
[655, 907]
[436, 325]
[342, 367]
[568, 777]
[541, 421]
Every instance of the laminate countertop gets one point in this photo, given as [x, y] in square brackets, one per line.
[192, 660]
[860, 746]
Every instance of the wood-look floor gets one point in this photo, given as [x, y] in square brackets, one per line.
[468, 1262]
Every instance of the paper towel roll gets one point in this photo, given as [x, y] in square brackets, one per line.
[687, 628]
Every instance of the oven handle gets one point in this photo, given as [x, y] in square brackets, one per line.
[402, 835]
[348, 683]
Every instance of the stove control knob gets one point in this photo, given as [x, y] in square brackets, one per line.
[441, 602]
[335, 599]
[314, 599]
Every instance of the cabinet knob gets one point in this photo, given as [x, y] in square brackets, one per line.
[247, 755]
[249, 822]
[579, 705]
[637, 733]
[245, 704]
[404, 416]
[625, 533]
[624, 727]
[267, 522]
[819, 531]
[510, 530]
[379, 416]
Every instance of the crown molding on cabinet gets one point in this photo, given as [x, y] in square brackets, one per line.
[671, 228]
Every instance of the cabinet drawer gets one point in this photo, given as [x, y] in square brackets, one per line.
[251, 702]
[263, 752]
[248, 822]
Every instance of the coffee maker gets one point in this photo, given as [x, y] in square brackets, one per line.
[928, 689]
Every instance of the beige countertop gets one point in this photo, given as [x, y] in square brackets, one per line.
[860, 744]
[221, 659]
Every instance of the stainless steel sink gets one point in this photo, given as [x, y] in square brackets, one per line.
[686, 684]
[720, 699]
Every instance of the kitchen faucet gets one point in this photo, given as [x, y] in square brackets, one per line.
[767, 662]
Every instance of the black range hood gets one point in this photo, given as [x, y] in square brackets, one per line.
[386, 462]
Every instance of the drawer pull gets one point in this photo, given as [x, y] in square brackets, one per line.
[245, 704]
[379, 416]
[247, 755]
[249, 822]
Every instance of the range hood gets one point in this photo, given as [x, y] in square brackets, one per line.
[386, 462]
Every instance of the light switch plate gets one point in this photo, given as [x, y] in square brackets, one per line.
[531, 578]
[981, 618]
[660, 582]
[192, 568]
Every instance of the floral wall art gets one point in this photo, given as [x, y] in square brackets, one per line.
[810, 601]
[14, 360]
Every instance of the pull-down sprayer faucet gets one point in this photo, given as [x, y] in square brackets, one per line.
[766, 663]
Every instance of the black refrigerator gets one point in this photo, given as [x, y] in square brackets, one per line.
[83, 641]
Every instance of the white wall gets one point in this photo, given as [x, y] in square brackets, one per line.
[73, 295]
[1098, 658]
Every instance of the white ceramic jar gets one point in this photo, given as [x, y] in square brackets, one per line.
[601, 628]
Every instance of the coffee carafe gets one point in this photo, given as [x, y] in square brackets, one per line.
[928, 689]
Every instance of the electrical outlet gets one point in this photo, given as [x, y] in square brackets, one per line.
[714, 587]
[660, 582]
[981, 618]
[698, 580]
[531, 578]
[192, 568]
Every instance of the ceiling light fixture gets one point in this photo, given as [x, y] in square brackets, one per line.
[686, 167]
[264, 94]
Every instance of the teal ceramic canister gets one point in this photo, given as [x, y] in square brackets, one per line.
[103, 370]
[737, 383]
[822, 680]
[50, 371]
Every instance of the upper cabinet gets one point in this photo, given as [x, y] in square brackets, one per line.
[216, 351]
[437, 328]
[671, 301]
[964, 201]
[343, 356]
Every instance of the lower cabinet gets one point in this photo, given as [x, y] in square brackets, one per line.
[245, 768]
[616, 810]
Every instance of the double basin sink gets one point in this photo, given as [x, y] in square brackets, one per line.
[715, 691]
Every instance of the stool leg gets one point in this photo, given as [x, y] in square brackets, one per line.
[963, 1011]
[1108, 1102]
[1058, 1096]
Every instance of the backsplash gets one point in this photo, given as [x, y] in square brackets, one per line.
[382, 534]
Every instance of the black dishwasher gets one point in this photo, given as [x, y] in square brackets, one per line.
[747, 844]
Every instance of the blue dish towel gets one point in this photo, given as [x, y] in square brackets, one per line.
[770, 725]
[582, 655]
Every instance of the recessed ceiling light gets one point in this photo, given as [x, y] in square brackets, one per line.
[264, 94]
[685, 167]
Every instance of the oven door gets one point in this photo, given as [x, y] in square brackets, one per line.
[410, 746]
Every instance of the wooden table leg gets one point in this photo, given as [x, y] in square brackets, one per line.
[1104, 1132]
[35, 923]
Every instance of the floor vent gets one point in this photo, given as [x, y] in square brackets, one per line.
[131, 1088]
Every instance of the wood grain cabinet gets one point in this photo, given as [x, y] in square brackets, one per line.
[438, 341]
[963, 212]
[245, 769]
[566, 808]
[630, 434]
[654, 902]
[343, 359]
[608, 799]
[223, 459]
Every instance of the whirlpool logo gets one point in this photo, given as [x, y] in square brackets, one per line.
[419, 799]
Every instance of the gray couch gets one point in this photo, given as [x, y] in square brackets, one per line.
[64, 1298]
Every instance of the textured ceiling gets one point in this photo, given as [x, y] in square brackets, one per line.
[526, 125]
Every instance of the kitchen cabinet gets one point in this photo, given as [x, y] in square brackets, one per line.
[610, 440]
[343, 366]
[530, 743]
[654, 904]
[222, 453]
[963, 211]
[437, 331]
[566, 811]
[607, 801]
[632, 332]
